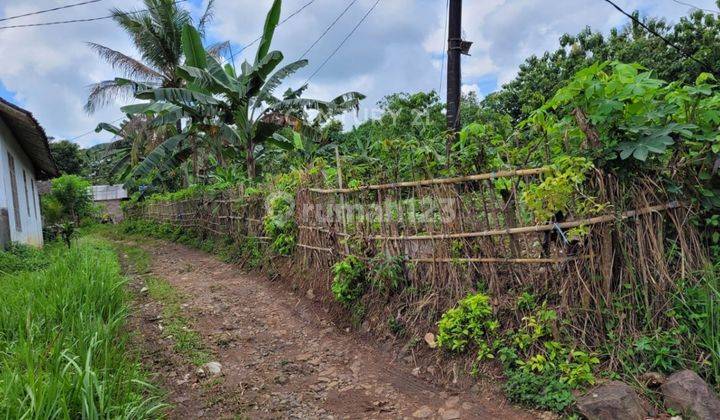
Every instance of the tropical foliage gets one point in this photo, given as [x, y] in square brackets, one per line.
[156, 33]
[231, 118]
[626, 105]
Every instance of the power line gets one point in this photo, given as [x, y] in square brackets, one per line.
[292, 15]
[343, 42]
[695, 7]
[62, 22]
[92, 131]
[444, 44]
[49, 10]
[667, 41]
[328, 29]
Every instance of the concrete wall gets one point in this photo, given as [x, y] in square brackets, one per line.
[30, 231]
[112, 208]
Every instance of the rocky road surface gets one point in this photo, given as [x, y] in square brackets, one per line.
[279, 354]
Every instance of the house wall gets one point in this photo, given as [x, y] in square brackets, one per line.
[30, 231]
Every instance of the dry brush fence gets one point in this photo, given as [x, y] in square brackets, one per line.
[455, 235]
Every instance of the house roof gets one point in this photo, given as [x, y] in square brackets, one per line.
[31, 137]
[108, 192]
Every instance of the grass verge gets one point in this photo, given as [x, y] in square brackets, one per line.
[63, 348]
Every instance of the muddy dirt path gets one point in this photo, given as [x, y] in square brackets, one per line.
[281, 356]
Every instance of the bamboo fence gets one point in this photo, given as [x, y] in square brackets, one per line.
[459, 234]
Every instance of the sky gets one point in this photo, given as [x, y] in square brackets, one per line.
[398, 48]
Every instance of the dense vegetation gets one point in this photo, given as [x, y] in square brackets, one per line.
[63, 347]
[626, 104]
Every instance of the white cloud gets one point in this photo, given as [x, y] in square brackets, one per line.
[471, 88]
[398, 48]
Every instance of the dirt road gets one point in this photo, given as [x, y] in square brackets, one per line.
[280, 354]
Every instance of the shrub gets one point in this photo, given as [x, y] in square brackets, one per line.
[470, 322]
[541, 372]
[349, 280]
[541, 391]
[387, 274]
[70, 199]
[279, 222]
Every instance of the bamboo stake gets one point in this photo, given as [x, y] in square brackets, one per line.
[342, 197]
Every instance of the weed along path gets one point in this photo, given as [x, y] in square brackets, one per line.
[272, 353]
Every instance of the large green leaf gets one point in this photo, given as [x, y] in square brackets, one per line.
[201, 80]
[112, 129]
[655, 140]
[149, 108]
[163, 157]
[278, 140]
[179, 96]
[281, 142]
[257, 76]
[168, 118]
[271, 21]
[276, 79]
[193, 49]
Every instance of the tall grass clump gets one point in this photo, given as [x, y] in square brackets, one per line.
[19, 257]
[63, 348]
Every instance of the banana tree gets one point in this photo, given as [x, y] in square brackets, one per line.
[239, 110]
[134, 139]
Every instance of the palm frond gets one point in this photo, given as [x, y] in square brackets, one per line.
[207, 17]
[276, 79]
[130, 67]
[106, 92]
[216, 49]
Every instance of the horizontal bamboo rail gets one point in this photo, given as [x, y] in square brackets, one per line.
[498, 260]
[439, 181]
[532, 229]
[470, 260]
[316, 248]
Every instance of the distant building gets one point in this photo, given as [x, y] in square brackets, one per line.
[24, 159]
[109, 198]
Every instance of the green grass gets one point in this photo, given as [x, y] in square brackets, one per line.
[63, 347]
[187, 342]
[21, 258]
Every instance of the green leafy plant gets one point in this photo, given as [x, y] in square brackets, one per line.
[559, 191]
[348, 280]
[279, 222]
[70, 199]
[469, 323]
[542, 391]
[386, 274]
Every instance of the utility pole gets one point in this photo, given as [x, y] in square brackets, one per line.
[455, 49]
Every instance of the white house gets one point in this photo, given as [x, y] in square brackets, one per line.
[24, 159]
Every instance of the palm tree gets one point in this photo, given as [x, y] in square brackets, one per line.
[156, 33]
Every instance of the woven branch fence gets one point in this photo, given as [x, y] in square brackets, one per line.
[455, 235]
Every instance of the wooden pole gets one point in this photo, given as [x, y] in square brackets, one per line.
[454, 80]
